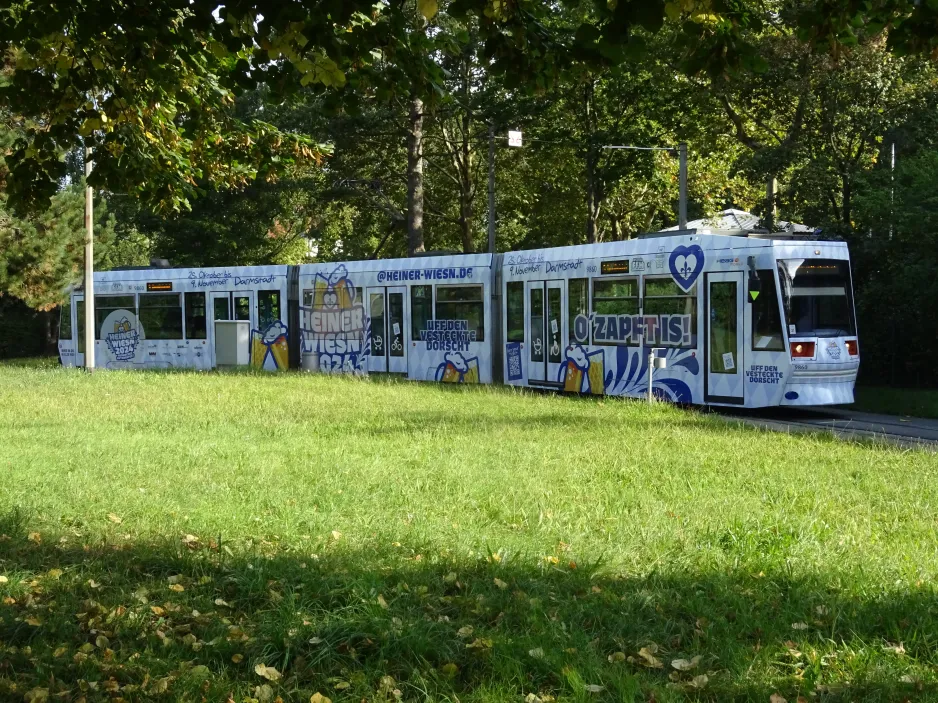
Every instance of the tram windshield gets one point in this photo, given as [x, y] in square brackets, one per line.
[817, 297]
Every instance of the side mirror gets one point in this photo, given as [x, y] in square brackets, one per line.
[755, 283]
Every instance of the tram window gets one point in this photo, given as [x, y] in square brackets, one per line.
[577, 304]
[65, 321]
[104, 305]
[421, 310]
[515, 311]
[766, 316]
[664, 297]
[268, 308]
[161, 315]
[242, 307]
[462, 303]
[195, 315]
[80, 322]
[537, 324]
[614, 297]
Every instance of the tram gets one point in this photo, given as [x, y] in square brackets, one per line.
[726, 318]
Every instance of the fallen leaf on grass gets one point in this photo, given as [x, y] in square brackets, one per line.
[200, 672]
[114, 518]
[686, 664]
[382, 602]
[536, 653]
[55, 574]
[263, 693]
[268, 672]
[699, 681]
[648, 654]
[59, 651]
[319, 698]
[157, 610]
[616, 657]
[336, 535]
[37, 695]
[594, 688]
[34, 537]
[177, 587]
[449, 670]
[102, 642]
[221, 603]
[501, 584]
[799, 626]
[342, 685]
[4, 579]
[161, 685]
[34, 621]
[465, 631]
[776, 698]
[237, 658]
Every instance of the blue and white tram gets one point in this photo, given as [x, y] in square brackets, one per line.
[735, 318]
[199, 318]
[744, 320]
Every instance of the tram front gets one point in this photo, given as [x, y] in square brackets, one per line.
[820, 324]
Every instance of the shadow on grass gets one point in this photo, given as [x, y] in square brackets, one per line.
[179, 621]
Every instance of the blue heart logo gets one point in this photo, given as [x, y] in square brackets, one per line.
[686, 263]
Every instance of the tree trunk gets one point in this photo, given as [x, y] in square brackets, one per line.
[770, 186]
[845, 204]
[51, 341]
[415, 244]
[465, 170]
[465, 219]
[593, 198]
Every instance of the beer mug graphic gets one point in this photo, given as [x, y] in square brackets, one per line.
[456, 368]
[270, 348]
[582, 372]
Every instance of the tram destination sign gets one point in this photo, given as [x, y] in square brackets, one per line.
[607, 267]
[160, 286]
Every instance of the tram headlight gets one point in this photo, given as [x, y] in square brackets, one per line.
[802, 350]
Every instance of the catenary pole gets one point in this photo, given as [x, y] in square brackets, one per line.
[491, 188]
[682, 204]
[89, 266]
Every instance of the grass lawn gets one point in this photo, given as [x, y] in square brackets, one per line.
[897, 401]
[215, 537]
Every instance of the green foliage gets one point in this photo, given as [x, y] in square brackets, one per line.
[895, 251]
[24, 331]
[151, 89]
[41, 255]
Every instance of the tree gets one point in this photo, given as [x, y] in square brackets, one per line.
[151, 84]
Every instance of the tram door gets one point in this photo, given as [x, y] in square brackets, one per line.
[725, 337]
[545, 330]
[78, 329]
[227, 306]
[386, 311]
